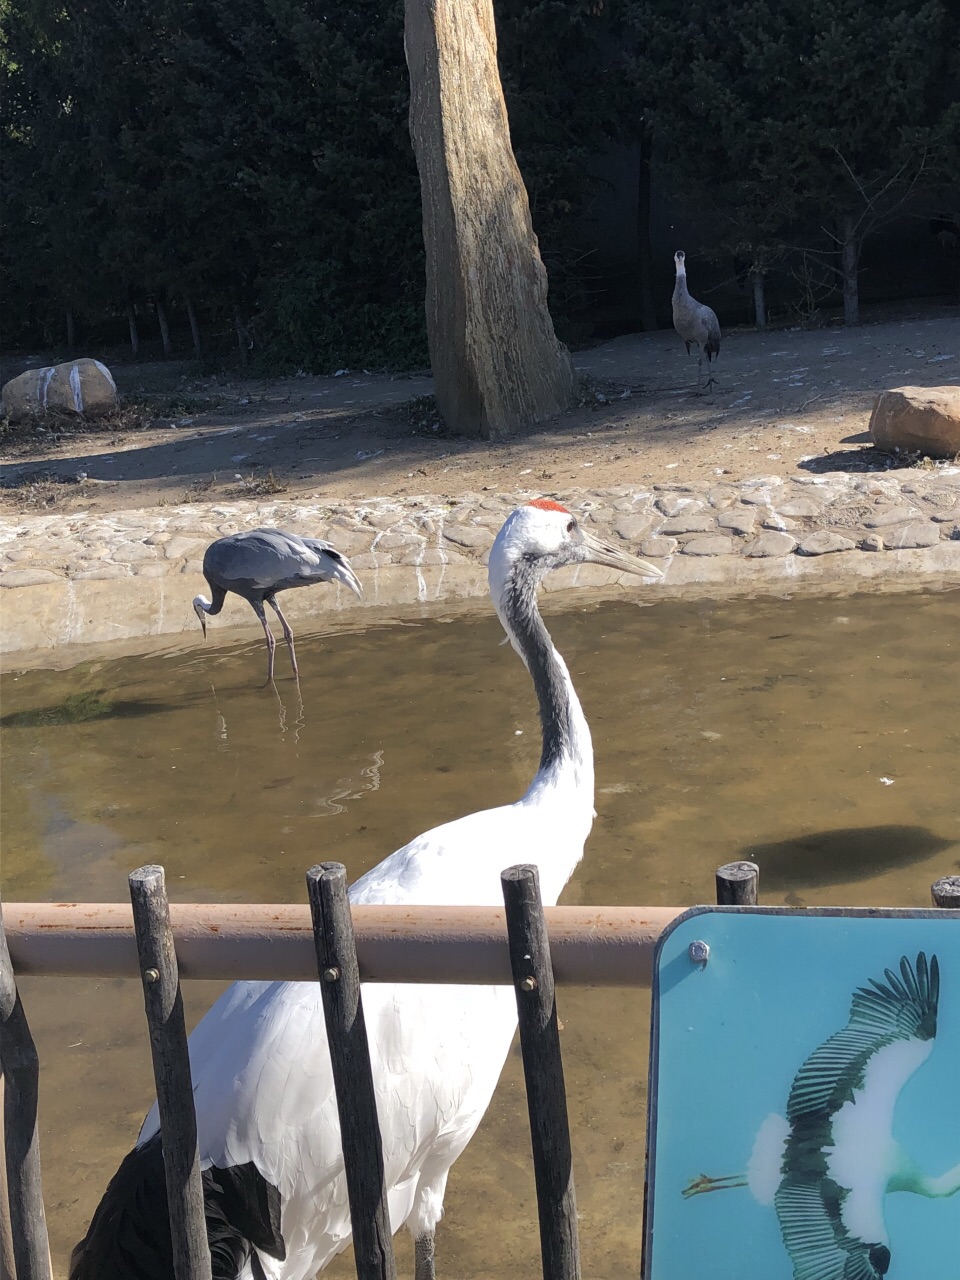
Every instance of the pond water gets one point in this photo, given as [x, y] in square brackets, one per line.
[819, 737]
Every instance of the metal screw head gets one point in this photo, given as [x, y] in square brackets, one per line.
[699, 952]
[528, 984]
[332, 974]
[151, 975]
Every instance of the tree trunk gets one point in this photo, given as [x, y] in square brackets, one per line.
[759, 299]
[242, 336]
[497, 364]
[648, 308]
[194, 326]
[71, 331]
[850, 255]
[164, 329]
[134, 331]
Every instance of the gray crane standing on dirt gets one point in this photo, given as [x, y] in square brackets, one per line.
[696, 323]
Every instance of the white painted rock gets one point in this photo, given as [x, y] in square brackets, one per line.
[79, 386]
[924, 419]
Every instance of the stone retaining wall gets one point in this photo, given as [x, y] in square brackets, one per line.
[83, 579]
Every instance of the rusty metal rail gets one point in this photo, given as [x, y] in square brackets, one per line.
[594, 946]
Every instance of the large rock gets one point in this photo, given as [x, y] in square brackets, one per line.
[497, 364]
[79, 386]
[918, 419]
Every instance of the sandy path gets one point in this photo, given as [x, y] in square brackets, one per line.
[785, 401]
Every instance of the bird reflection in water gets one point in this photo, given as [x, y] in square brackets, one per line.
[328, 806]
[301, 719]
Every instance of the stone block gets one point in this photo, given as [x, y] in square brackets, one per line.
[768, 545]
[824, 542]
[919, 534]
[800, 507]
[741, 522]
[714, 545]
[657, 548]
[671, 504]
[467, 535]
[85, 387]
[918, 419]
[883, 519]
[633, 528]
[28, 577]
[693, 523]
[180, 548]
[102, 572]
[130, 552]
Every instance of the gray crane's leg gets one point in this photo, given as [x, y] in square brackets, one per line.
[271, 643]
[287, 633]
[699, 368]
[423, 1258]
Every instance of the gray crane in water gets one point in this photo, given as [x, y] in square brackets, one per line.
[696, 323]
[258, 564]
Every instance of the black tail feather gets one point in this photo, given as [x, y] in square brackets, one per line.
[129, 1236]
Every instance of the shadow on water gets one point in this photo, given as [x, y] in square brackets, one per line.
[841, 855]
[94, 704]
[83, 708]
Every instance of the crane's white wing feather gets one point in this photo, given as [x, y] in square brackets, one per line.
[436, 1051]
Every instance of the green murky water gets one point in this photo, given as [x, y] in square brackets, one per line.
[818, 737]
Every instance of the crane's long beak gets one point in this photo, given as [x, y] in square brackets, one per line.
[599, 552]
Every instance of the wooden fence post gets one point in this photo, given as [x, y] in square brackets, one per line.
[7, 1267]
[946, 892]
[21, 1143]
[543, 1072]
[171, 1068]
[738, 884]
[352, 1074]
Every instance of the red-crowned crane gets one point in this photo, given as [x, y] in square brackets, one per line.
[696, 323]
[258, 564]
[829, 1164]
[275, 1192]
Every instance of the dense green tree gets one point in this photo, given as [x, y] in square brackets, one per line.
[707, 74]
[562, 93]
[243, 167]
[865, 86]
[778, 121]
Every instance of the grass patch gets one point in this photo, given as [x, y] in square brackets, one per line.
[256, 486]
[41, 490]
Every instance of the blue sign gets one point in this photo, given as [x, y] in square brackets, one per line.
[804, 1116]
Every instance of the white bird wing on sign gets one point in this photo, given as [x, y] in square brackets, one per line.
[841, 1154]
[864, 1151]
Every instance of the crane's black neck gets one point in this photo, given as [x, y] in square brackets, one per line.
[561, 719]
[217, 597]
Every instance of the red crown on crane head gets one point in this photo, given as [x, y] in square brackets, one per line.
[547, 504]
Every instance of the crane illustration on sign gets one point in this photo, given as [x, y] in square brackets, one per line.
[828, 1165]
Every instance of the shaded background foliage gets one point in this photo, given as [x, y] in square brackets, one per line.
[247, 162]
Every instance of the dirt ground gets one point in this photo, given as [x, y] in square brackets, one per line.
[784, 400]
